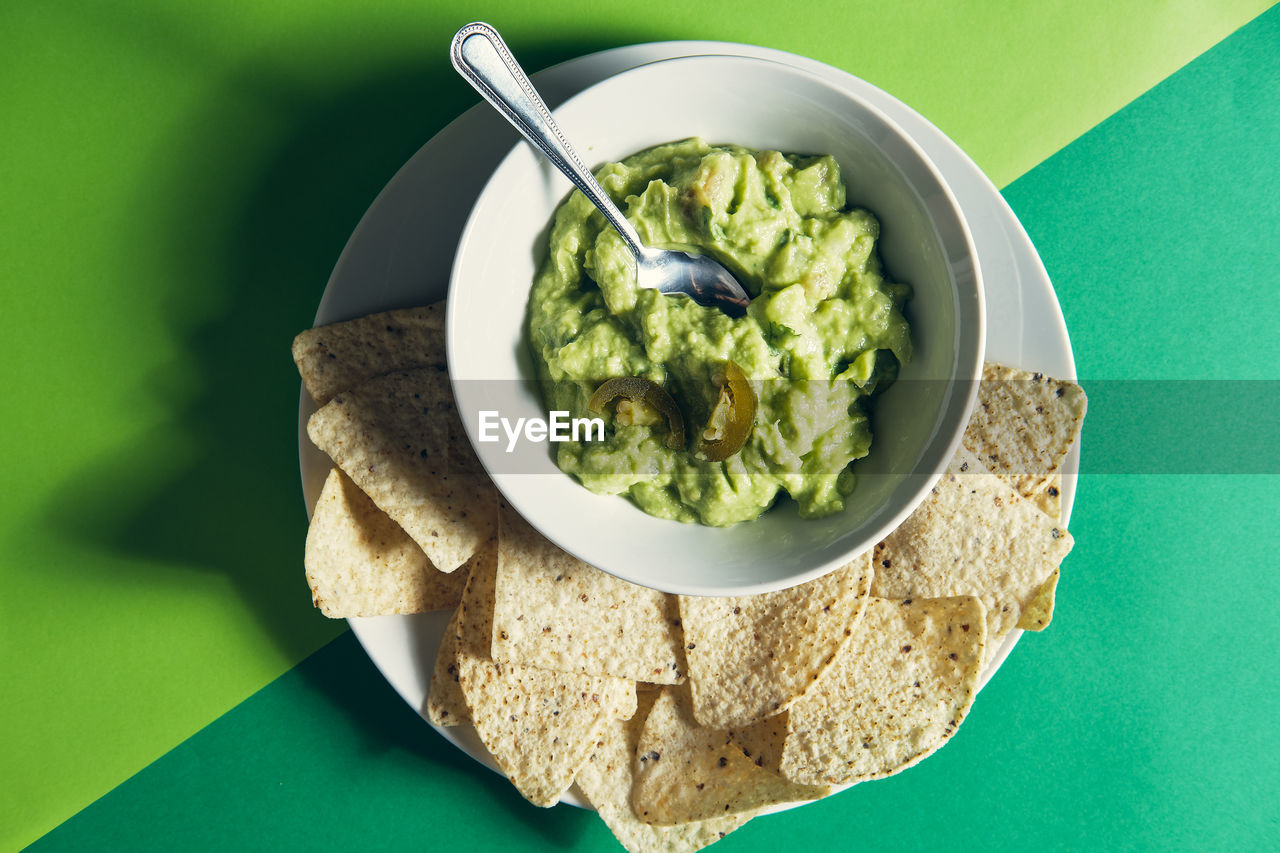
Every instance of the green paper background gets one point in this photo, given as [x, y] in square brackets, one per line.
[175, 185]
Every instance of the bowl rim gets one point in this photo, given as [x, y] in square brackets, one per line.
[953, 414]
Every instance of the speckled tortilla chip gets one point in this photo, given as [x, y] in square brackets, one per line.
[1047, 495]
[751, 656]
[973, 535]
[1022, 428]
[399, 439]
[606, 781]
[685, 772]
[446, 706]
[360, 563]
[340, 356]
[1038, 613]
[556, 612]
[894, 695]
[540, 726]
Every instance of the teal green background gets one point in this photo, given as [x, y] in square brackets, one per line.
[177, 183]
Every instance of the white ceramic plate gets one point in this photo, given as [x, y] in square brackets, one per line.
[403, 249]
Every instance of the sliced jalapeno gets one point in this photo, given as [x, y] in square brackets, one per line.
[732, 418]
[647, 392]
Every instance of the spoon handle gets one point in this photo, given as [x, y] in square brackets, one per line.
[482, 57]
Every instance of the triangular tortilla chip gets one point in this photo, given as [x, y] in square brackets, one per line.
[750, 656]
[894, 695]
[340, 356]
[606, 781]
[540, 726]
[973, 535]
[361, 563]
[685, 772]
[399, 439]
[556, 612]
[1022, 428]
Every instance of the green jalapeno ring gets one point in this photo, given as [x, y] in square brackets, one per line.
[740, 419]
[645, 391]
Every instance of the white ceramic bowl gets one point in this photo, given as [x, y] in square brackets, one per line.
[760, 104]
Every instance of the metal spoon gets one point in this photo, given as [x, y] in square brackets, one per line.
[481, 56]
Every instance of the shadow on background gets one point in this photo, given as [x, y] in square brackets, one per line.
[251, 205]
[258, 200]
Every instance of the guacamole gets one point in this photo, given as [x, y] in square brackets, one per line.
[823, 332]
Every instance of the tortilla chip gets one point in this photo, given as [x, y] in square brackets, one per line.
[540, 726]
[1038, 613]
[360, 563]
[751, 656]
[894, 695]
[685, 772]
[1048, 496]
[556, 612]
[1022, 428]
[338, 357]
[399, 439]
[764, 742]
[446, 706]
[974, 535]
[606, 781]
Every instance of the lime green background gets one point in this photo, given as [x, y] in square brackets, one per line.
[176, 182]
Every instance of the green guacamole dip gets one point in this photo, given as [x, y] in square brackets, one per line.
[823, 331]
